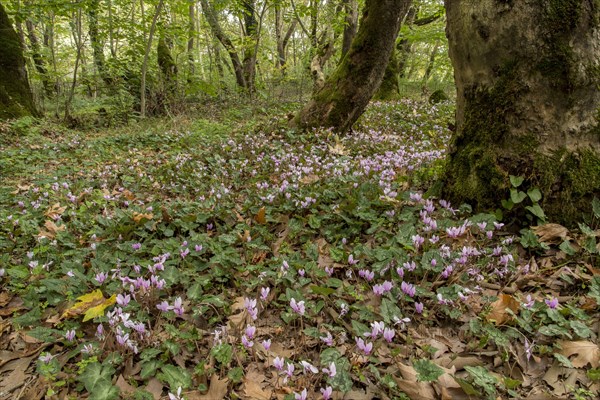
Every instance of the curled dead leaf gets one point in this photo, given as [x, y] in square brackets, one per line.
[586, 353]
[261, 216]
[551, 233]
[499, 314]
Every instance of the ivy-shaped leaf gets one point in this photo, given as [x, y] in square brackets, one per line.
[427, 371]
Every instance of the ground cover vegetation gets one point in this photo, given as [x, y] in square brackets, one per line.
[208, 261]
[185, 212]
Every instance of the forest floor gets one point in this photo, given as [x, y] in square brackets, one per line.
[229, 258]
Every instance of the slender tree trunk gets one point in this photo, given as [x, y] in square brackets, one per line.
[389, 89]
[191, 36]
[250, 43]
[159, 7]
[282, 39]
[351, 24]
[38, 59]
[527, 110]
[348, 90]
[16, 99]
[431, 63]
[96, 42]
[78, 39]
[213, 22]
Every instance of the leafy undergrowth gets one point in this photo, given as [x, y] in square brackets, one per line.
[198, 263]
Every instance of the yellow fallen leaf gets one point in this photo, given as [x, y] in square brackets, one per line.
[90, 304]
[261, 217]
[138, 217]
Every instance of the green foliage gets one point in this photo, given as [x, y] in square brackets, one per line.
[427, 371]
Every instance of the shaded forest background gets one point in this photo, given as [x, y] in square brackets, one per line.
[106, 62]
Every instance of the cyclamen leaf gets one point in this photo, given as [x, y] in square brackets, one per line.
[516, 181]
[95, 374]
[175, 376]
[427, 371]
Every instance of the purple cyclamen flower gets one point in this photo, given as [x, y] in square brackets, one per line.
[301, 396]
[417, 240]
[329, 271]
[364, 347]
[247, 342]
[164, 306]
[400, 272]
[327, 339]
[46, 358]
[408, 289]
[378, 290]
[290, 369]
[184, 253]
[529, 303]
[376, 329]
[123, 300]
[298, 307]
[388, 334]
[419, 308]
[266, 344]
[301, 272]
[309, 367]
[331, 371]
[101, 277]
[70, 335]
[351, 260]
[136, 246]
[178, 306]
[198, 247]
[552, 303]
[278, 363]
[327, 392]
[250, 331]
[264, 293]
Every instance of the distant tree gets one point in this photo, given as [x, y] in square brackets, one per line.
[528, 102]
[347, 91]
[16, 99]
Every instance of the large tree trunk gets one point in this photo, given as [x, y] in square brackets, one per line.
[348, 90]
[250, 43]
[350, 25]
[97, 43]
[529, 109]
[16, 99]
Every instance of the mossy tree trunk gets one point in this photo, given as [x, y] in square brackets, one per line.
[16, 99]
[346, 93]
[527, 110]
[250, 44]
[389, 89]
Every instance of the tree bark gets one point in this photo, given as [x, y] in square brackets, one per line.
[250, 43]
[350, 26]
[96, 42]
[38, 59]
[213, 23]
[146, 56]
[527, 110]
[348, 90]
[16, 99]
[282, 39]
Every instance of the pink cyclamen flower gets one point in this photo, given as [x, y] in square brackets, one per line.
[176, 396]
[351, 260]
[278, 363]
[264, 293]
[70, 335]
[266, 344]
[552, 303]
[164, 306]
[388, 334]
[250, 331]
[136, 246]
[247, 342]
[178, 306]
[529, 302]
[364, 347]
[46, 358]
[123, 300]
[327, 392]
[408, 289]
[301, 396]
[419, 308]
[327, 339]
[298, 307]
[331, 371]
[101, 277]
[309, 367]
[198, 247]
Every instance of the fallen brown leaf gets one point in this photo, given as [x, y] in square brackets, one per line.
[551, 233]
[499, 315]
[587, 353]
